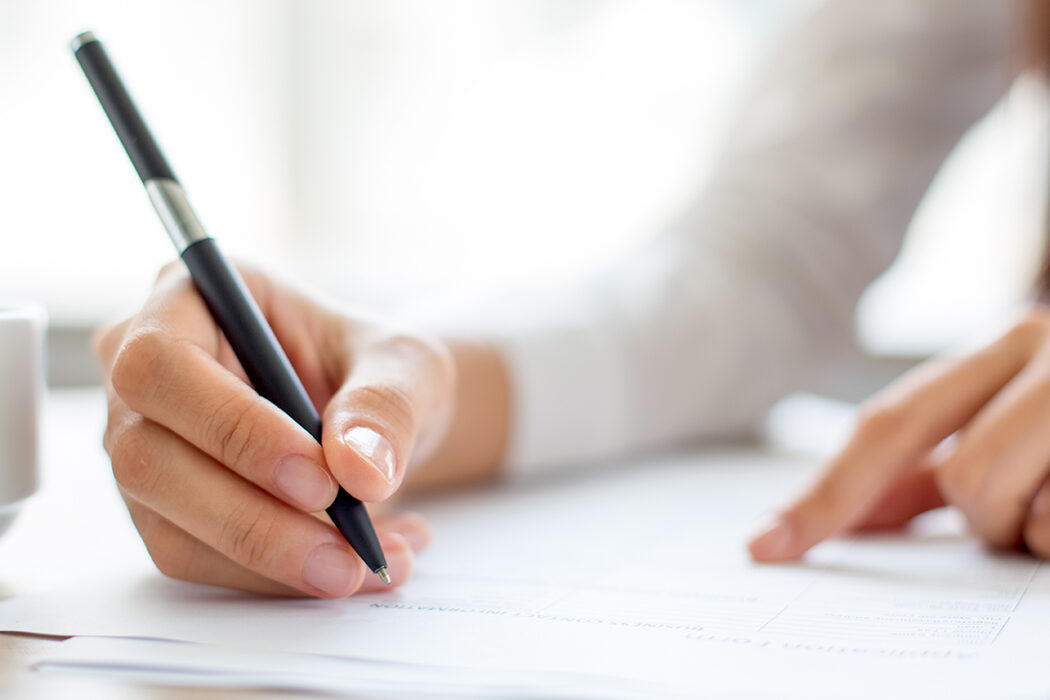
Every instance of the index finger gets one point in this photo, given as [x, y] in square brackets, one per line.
[895, 430]
[167, 370]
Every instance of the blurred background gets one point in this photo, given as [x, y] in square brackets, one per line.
[379, 151]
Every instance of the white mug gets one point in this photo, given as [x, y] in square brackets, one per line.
[22, 357]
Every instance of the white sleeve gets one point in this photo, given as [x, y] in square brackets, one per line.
[756, 287]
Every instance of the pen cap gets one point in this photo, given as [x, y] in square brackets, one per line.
[22, 355]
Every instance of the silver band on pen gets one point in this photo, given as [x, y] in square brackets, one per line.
[175, 213]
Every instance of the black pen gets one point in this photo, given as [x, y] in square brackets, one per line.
[223, 290]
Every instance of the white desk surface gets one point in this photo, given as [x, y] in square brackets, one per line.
[77, 530]
[77, 501]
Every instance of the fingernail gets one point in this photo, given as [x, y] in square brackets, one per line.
[374, 448]
[303, 481]
[330, 569]
[774, 540]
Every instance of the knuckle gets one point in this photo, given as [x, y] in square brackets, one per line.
[130, 454]
[387, 403]
[246, 537]
[231, 430]
[426, 358]
[134, 375]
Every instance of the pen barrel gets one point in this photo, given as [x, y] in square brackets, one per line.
[224, 292]
[132, 131]
[242, 322]
[271, 373]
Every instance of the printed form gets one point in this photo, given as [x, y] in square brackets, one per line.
[619, 584]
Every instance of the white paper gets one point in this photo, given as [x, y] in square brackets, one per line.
[162, 662]
[639, 574]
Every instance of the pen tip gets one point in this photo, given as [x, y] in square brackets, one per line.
[383, 575]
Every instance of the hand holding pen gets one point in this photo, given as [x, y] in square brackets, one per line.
[217, 444]
[227, 490]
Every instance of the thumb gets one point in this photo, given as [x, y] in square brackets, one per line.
[373, 422]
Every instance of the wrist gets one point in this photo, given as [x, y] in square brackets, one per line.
[475, 441]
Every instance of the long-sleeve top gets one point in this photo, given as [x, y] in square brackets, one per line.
[753, 291]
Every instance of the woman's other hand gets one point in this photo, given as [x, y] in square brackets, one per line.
[972, 432]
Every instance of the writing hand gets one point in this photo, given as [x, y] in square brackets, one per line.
[226, 489]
